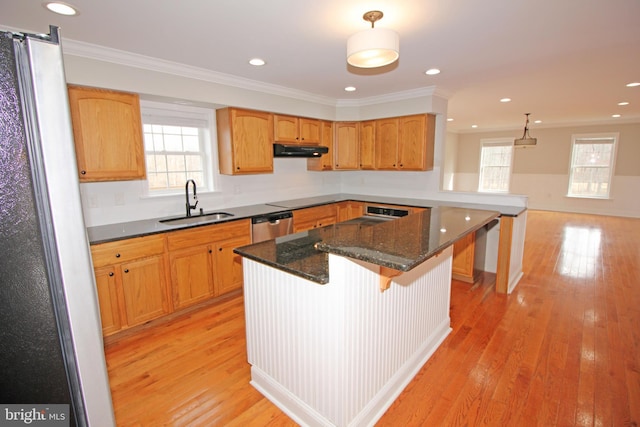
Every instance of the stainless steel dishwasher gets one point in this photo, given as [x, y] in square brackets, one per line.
[270, 226]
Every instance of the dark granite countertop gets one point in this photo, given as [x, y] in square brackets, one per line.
[400, 244]
[125, 230]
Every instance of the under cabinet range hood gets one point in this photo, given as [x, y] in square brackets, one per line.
[286, 150]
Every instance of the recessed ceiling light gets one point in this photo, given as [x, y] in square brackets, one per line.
[505, 100]
[449, 119]
[349, 89]
[615, 116]
[537, 121]
[634, 84]
[61, 8]
[623, 103]
[257, 62]
[432, 71]
[474, 126]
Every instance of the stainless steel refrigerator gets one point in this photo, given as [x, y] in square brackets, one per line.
[51, 348]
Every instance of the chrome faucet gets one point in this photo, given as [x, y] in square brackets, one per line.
[195, 197]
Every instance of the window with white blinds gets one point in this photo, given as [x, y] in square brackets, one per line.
[592, 163]
[496, 159]
[177, 143]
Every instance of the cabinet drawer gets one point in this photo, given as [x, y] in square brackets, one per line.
[207, 234]
[127, 250]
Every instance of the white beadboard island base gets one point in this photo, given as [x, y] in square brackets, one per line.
[339, 354]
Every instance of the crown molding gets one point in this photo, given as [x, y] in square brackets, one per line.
[101, 53]
[106, 54]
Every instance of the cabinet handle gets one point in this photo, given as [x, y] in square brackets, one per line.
[83, 172]
[117, 255]
[210, 251]
[111, 274]
[126, 270]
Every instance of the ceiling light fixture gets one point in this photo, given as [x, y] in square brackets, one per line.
[375, 47]
[61, 8]
[257, 62]
[634, 84]
[349, 89]
[505, 100]
[526, 139]
[623, 103]
[432, 71]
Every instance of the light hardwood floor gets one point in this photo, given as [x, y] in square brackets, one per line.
[562, 350]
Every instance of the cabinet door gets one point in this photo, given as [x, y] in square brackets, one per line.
[415, 151]
[245, 141]
[107, 131]
[145, 290]
[285, 128]
[324, 162]
[412, 146]
[464, 258]
[108, 300]
[316, 217]
[309, 131]
[367, 141]
[349, 210]
[386, 143]
[346, 146]
[228, 265]
[191, 278]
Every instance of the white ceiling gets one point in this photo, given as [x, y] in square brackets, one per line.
[565, 61]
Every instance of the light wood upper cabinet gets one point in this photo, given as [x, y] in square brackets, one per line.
[132, 282]
[245, 141]
[405, 143]
[297, 130]
[416, 135]
[107, 130]
[386, 143]
[324, 162]
[315, 217]
[367, 144]
[346, 146]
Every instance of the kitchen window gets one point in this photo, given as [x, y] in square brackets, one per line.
[496, 158]
[592, 162]
[178, 147]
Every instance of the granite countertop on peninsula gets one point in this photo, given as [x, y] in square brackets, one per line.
[400, 244]
[125, 230]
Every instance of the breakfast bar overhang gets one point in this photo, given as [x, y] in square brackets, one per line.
[340, 319]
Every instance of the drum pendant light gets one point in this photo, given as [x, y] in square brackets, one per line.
[375, 47]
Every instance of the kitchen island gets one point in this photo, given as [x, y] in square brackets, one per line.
[340, 319]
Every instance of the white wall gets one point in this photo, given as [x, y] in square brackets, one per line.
[114, 202]
[542, 172]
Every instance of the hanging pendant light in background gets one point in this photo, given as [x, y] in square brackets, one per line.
[526, 140]
[375, 47]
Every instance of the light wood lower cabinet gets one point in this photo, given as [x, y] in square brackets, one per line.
[315, 217]
[464, 259]
[144, 278]
[131, 278]
[349, 210]
[202, 261]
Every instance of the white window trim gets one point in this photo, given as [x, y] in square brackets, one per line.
[595, 136]
[187, 116]
[501, 142]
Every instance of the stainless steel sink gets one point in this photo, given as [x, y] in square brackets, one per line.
[196, 219]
